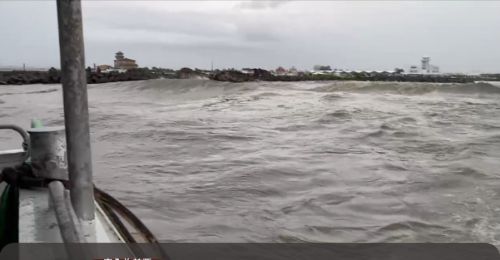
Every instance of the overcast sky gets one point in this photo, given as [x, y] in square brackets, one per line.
[459, 36]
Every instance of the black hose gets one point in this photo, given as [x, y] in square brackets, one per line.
[110, 205]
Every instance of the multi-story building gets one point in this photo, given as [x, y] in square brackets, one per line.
[280, 71]
[425, 68]
[413, 70]
[121, 62]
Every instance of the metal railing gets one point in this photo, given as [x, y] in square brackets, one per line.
[24, 135]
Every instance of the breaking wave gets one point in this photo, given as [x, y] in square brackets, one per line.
[204, 88]
[410, 88]
[197, 87]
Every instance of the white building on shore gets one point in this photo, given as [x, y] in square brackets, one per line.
[425, 68]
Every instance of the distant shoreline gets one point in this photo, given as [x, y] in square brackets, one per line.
[263, 75]
[53, 76]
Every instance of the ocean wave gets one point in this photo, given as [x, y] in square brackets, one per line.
[469, 172]
[294, 128]
[30, 92]
[409, 225]
[336, 116]
[331, 97]
[210, 88]
[264, 95]
[384, 132]
[184, 86]
[174, 135]
[407, 88]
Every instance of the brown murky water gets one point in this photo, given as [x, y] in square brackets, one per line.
[332, 162]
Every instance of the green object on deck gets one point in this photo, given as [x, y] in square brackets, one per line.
[9, 216]
[36, 123]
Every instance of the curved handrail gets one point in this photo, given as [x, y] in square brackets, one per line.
[24, 135]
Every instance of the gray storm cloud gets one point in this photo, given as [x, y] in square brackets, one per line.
[459, 36]
[260, 4]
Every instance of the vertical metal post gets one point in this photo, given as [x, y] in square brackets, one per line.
[76, 117]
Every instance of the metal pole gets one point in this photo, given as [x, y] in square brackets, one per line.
[76, 117]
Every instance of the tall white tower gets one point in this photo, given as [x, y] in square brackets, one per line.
[426, 64]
